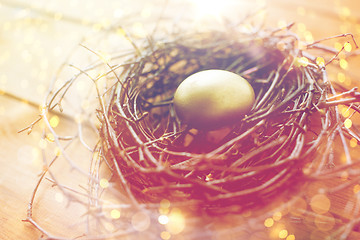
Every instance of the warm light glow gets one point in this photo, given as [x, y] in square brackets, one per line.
[115, 214]
[163, 219]
[165, 203]
[341, 77]
[338, 46]
[165, 235]
[343, 64]
[303, 62]
[269, 222]
[320, 203]
[104, 183]
[277, 216]
[283, 233]
[50, 137]
[353, 142]
[54, 121]
[348, 123]
[290, 237]
[176, 222]
[57, 152]
[356, 189]
[347, 47]
[320, 61]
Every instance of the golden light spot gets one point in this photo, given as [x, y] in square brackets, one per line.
[291, 237]
[115, 214]
[57, 152]
[163, 219]
[343, 64]
[345, 12]
[50, 137]
[104, 183]
[277, 216]
[320, 61]
[345, 111]
[341, 77]
[353, 142]
[348, 123]
[283, 233]
[303, 61]
[269, 222]
[176, 222]
[165, 235]
[165, 203]
[54, 121]
[338, 46]
[324, 222]
[308, 36]
[320, 203]
[208, 177]
[140, 221]
[347, 47]
[356, 189]
[59, 197]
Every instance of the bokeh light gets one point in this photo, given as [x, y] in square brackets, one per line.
[176, 222]
[320, 203]
[140, 221]
[115, 214]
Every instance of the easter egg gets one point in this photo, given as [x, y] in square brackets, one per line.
[212, 99]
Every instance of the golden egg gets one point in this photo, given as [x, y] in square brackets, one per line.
[212, 99]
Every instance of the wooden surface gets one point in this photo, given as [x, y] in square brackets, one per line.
[37, 36]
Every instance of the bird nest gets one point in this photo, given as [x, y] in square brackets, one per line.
[296, 133]
[270, 152]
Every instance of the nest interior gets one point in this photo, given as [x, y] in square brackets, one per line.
[244, 165]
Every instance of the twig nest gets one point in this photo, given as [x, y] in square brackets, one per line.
[211, 99]
[160, 154]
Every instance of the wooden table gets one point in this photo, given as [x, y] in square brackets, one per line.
[37, 36]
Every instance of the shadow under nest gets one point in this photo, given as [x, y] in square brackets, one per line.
[260, 157]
